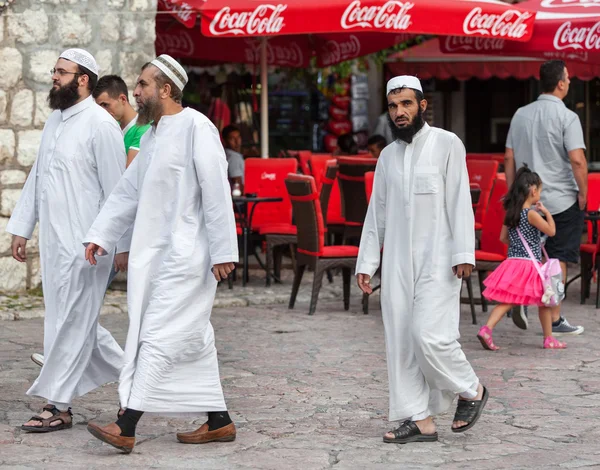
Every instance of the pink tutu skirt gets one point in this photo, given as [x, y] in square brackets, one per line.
[516, 282]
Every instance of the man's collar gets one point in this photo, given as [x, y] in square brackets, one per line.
[549, 97]
[77, 108]
[130, 125]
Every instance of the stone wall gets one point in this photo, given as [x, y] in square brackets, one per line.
[119, 33]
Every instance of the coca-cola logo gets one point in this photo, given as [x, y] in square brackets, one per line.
[268, 176]
[182, 11]
[334, 51]
[569, 3]
[456, 43]
[289, 55]
[391, 15]
[571, 37]
[265, 19]
[509, 24]
[176, 44]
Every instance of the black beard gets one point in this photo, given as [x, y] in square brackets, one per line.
[407, 133]
[65, 96]
[148, 112]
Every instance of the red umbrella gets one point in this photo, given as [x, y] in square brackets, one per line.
[338, 25]
[564, 29]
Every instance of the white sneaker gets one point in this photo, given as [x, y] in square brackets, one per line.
[38, 359]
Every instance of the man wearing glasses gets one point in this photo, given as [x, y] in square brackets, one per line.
[80, 159]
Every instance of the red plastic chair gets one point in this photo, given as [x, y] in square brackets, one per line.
[589, 251]
[311, 251]
[335, 221]
[369, 178]
[492, 251]
[265, 177]
[303, 159]
[483, 173]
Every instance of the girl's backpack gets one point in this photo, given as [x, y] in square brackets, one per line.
[550, 274]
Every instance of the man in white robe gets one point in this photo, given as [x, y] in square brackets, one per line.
[80, 160]
[420, 214]
[176, 191]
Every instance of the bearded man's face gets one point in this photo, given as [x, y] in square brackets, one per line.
[65, 85]
[405, 113]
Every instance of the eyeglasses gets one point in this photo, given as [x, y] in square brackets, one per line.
[63, 72]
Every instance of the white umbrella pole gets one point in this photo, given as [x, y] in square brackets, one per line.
[264, 101]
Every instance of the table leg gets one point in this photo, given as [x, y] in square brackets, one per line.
[245, 272]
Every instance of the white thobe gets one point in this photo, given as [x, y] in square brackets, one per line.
[177, 192]
[80, 160]
[420, 213]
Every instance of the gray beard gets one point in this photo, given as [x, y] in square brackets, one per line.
[148, 112]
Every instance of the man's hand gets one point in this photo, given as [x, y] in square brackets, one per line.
[121, 261]
[582, 200]
[364, 283]
[462, 271]
[91, 250]
[18, 248]
[222, 270]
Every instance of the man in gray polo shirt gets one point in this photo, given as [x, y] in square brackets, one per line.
[547, 137]
[232, 141]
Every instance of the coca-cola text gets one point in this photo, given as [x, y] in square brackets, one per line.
[264, 19]
[571, 37]
[335, 51]
[509, 24]
[392, 15]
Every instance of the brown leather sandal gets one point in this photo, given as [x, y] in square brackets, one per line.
[65, 418]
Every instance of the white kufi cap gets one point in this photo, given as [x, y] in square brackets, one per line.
[81, 57]
[404, 81]
[172, 69]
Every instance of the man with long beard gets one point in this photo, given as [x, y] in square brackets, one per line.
[184, 242]
[80, 160]
[420, 213]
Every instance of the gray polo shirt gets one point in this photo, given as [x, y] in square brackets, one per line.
[542, 134]
[235, 162]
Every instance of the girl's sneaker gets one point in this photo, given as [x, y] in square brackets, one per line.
[485, 336]
[552, 343]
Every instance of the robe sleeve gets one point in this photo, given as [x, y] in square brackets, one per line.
[211, 170]
[373, 232]
[25, 214]
[118, 213]
[109, 153]
[459, 206]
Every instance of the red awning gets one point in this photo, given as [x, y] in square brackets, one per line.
[427, 60]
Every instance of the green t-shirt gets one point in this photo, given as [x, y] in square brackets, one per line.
[133, 135]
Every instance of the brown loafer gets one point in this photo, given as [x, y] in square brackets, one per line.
[202, 435]
[111, 434]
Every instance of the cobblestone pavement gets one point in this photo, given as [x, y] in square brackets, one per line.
[311, 393]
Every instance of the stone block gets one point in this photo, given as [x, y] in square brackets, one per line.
[7, 145]
[42, 110]
[116, 3]
[149, 32]
[131, 63]
[40, 64]
[128, 31]
[5, 237]
[29, 143]
[21, 112]
[13, 274]
[12, 177]
[104, 60]
[8, 201]
[3, 104]
[109, 28]
[137, 5]
[29, 27]
[11, 67]
[73, 29]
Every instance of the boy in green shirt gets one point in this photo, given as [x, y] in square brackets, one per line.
[111, 94]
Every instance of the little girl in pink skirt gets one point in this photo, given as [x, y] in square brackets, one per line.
[516, 281]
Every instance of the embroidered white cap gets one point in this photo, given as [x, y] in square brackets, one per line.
[172, 69]
[81, 57]
[404, 81]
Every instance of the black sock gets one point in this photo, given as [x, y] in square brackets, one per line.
[128, 421]
[218, 419]
[557, 322]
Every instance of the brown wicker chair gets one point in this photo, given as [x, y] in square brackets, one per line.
[281, 235]
[311, 250]
[352, 187]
